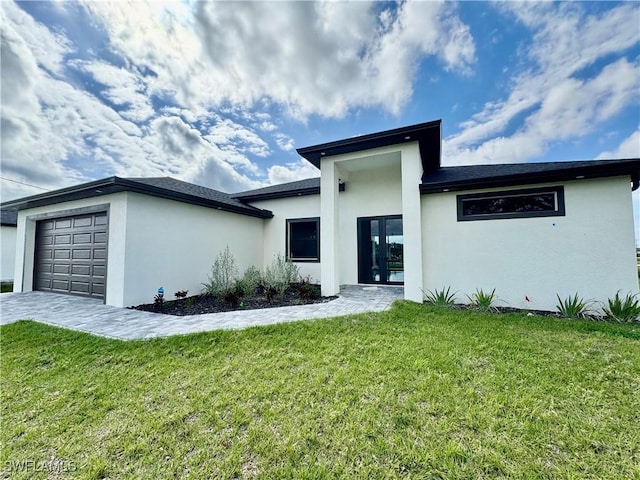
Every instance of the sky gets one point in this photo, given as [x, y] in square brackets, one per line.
[221, 94]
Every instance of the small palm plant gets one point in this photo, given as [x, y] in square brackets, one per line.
[623, 310]
[482, 300]
[572, 306]
[440, 298]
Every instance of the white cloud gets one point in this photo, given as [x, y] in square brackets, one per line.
[558, 98]
[629, 148]
[292, 171]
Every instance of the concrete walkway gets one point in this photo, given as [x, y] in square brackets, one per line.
[92, 316]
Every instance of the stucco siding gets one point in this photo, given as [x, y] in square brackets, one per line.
[367, 194]
[115, 204]
[590, 250]
[275, 229]
[173, 245]
[7, 252]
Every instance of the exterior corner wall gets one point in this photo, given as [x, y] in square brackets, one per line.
[275, 229]
[329, 226]
[26, 240]
[173, 245]
[8, 235]
[589, 251]
[411, 167]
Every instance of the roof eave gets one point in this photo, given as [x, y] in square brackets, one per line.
[419, 133]
[577, 173]
[116, 184]
[283, 194]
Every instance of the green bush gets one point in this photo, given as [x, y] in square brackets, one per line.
[307, 290]
[623, 310]
[572, 307]
[440, 298]
[279, 275]
[224, 274]
[249, 283]
[483, 301]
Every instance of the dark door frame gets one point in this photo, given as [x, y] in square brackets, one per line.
[363, 241]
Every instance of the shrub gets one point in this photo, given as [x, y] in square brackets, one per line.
[232, 298]
[307, 290]
[181, 293]
[440, 298]
[483, 301]
[248, 284]
[224, 274]
[279, 275]
[572, 307]
[623, 310]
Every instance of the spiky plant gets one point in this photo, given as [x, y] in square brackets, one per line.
[572, 306]
[482, 300]
[440, 298]
[623, 310]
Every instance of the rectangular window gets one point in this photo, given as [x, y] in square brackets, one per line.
[533, 202]
[303, 239]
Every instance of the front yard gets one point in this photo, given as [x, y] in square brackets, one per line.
[415, 392]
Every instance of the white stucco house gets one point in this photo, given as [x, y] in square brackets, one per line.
[8, 230]
[383, 211]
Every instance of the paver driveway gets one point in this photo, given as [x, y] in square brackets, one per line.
[92, 316]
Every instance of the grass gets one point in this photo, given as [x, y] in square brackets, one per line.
[415, 392]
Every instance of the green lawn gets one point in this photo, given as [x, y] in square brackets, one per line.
[415, 392]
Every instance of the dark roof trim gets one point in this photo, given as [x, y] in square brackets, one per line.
[428, 135]
[116, 184]
[595, 169]
[280, 194]
[308, 186]
[9, 217]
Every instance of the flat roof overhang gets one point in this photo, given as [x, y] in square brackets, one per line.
[428, 136]
[114, 184]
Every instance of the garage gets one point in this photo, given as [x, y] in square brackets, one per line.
[71, 254]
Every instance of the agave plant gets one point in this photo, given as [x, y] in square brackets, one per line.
[482, 300]
[572, 306]
[623, 310]
[440, 298]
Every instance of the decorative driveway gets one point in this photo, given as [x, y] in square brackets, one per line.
[92, 316]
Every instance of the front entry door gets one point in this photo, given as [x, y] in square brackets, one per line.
[380, 250]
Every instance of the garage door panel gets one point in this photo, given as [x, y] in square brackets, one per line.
[80, 269]
[81, 238]
[100, 237]
[62, 254]
[63, 223]
[81, 254]
[71, 255]
[82, 222]
[63, 268]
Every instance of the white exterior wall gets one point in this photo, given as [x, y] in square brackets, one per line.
[379, 182]
[152, 242]
[370, 193]
[173, 245]
[7, 252]
[25, 246]
[591, 250]
[275, 229]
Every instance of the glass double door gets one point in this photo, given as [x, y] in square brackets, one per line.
[380, 250]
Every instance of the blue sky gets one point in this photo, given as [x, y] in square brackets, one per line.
[221, 94]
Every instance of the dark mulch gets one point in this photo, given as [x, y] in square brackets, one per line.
[199, 304]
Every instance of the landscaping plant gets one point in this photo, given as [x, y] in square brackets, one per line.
[279, 275]
[224, 274]
[307, 290]
[572, 307]
[181, 293]
[483, 301]
[249, 283]
[623, 310]
[440, 298]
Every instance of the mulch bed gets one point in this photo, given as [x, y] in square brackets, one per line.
[199, 304]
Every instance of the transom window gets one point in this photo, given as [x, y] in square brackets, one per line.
[533, 202]
[303, 239]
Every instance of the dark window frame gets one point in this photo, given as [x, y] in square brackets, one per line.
[559, 210]
[292, 221]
